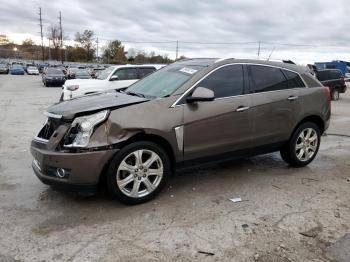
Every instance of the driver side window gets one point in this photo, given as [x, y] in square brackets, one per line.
[225, 82]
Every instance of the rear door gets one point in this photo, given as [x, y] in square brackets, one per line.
[276, 104]
[222, 125]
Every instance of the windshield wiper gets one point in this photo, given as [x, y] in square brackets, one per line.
[135, 94]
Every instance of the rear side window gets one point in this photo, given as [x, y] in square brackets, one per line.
[294, 79]
[224, 82]
[267, 78]
[126, 74]
[323, 75]
[146, 71]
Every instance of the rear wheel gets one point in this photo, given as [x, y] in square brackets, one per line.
[138, 172]
[303, 145]
[335, 94]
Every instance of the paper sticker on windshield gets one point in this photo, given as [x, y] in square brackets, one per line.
[188, 70]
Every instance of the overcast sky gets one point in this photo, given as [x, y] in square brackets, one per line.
[322, 24]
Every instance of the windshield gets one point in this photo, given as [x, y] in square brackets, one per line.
[54, 72]
[32, 68]
[165, 81]
[105, 73]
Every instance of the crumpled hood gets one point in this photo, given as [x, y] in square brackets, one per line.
[94, 102]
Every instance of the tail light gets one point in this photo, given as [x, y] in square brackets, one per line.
[327, 91]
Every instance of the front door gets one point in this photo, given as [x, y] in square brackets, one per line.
[222, 125]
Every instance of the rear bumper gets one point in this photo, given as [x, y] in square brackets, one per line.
[82, 170]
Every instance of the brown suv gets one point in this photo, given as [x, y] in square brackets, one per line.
[190, 112]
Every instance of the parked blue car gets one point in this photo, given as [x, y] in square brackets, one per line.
[17, 70]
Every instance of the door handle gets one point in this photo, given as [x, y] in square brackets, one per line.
[291, 98]
[242, 108]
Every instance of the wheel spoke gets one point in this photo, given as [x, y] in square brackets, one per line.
[135, 189]
[155, 172]
[125, 166]
[138, 157]
[308, 133]
[122, 183]
[150, 187]
[301, 153]
[298, 146]
[313, 137]
[313, 147]
[308, 154]
[154, 157]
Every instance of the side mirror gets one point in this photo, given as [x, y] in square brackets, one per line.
[201, 94]
[114, 78]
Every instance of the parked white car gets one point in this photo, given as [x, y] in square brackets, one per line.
[112, 78]
[32, 70]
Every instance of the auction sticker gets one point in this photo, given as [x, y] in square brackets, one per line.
[188, 70]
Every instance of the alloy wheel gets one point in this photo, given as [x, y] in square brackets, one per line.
[140, 173]
[306, 144]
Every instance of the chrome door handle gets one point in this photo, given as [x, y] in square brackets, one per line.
[242, 108]
[291, 98]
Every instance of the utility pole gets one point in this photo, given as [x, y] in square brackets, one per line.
[177, 48]
[41, 34]
[259, 50]
[61, 36]
[49, 50]
[97, 49]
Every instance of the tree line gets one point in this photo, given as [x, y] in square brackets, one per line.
[84, 50]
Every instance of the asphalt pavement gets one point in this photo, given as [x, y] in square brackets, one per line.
[286, 214]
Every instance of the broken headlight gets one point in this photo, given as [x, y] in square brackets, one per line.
[83, 127]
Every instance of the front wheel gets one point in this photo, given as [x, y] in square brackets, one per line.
[303, 146]
[138, 172]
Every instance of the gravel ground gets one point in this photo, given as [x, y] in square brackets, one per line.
[286, 214]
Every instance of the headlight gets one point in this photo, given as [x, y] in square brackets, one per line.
[72, 87]
[84, 127]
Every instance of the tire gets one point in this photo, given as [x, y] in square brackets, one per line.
[139, 184]
[61, 98]
[297, 157]
[335, 94]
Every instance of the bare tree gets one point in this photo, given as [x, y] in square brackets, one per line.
[54, 35]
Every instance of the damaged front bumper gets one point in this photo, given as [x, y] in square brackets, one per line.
[69, 171]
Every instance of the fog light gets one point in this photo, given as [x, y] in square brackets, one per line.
[61, 172]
